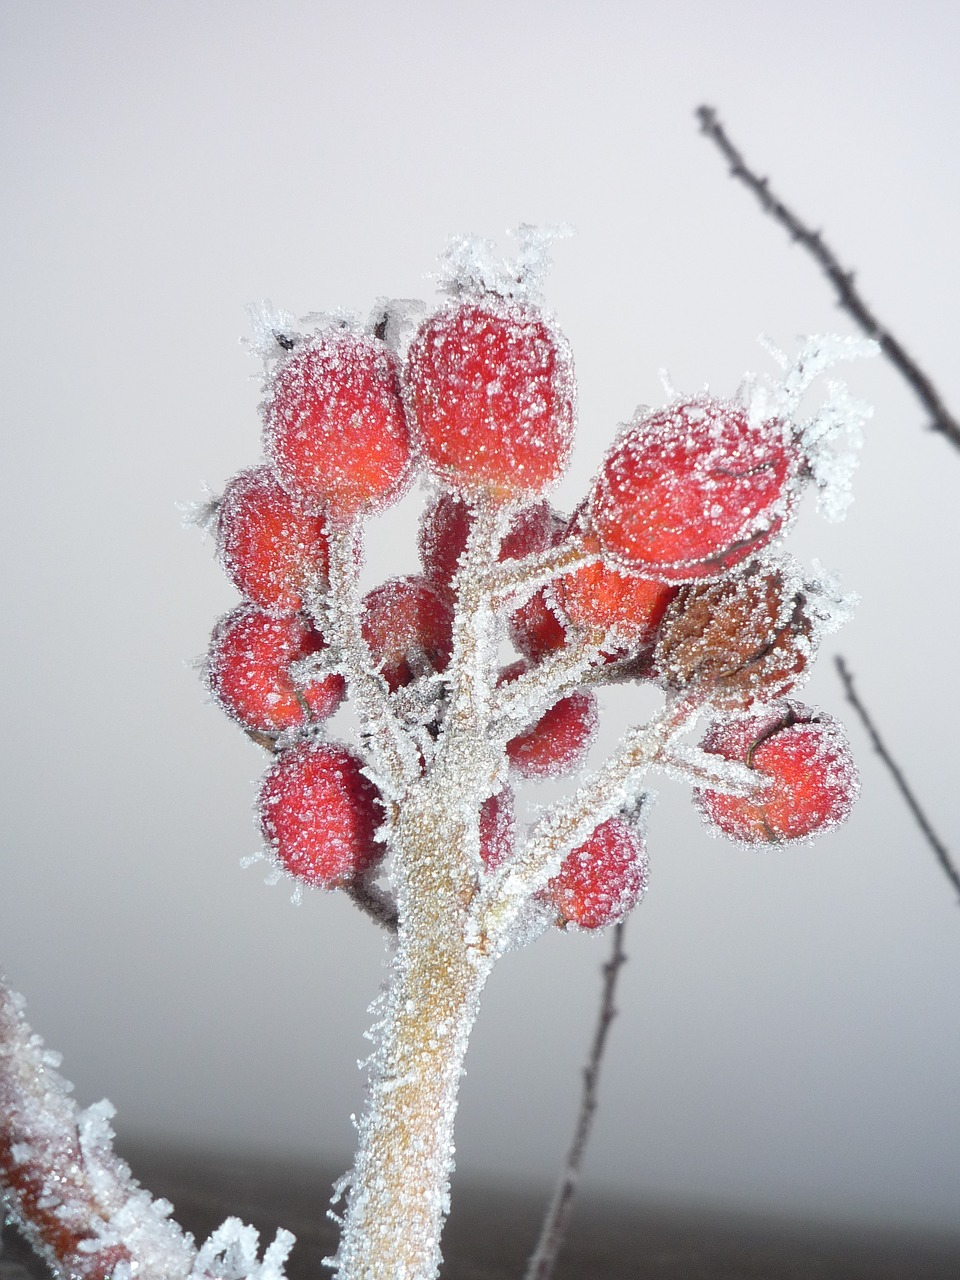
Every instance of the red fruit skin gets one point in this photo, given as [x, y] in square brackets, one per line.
[690, 491]
[558, 741]
[442, 540]
[601, 597]
[408, 627]
[335, 429]
[602, 880]
[319, 813]
[248, 671]
[805, 757]
[268, 544]
[498, 828]
[535, 629]
[490, 391]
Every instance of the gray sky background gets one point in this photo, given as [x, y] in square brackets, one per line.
[789, 1034]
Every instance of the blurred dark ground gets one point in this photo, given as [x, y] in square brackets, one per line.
[493, 1228]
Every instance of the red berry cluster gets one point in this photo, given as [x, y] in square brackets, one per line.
[663, 573]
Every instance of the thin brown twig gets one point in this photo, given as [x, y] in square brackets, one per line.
[913, 804]
[849, 296]
[554, 1229]
[378, 905]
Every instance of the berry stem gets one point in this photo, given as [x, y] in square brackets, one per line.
[520, 701]
[337, 614]
[615, 785]
[515, 581]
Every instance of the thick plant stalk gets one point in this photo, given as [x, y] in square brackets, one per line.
[399, 1193]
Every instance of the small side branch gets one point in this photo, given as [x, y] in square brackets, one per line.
[378, 905]
[849, 296]
[554, 1229]
[913, 804]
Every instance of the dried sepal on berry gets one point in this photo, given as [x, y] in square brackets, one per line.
[249, 671]
[335, 428]
[319, 814]
[490, 390]
[603, 879]
[747, 638]
[690, 491]
[269, 545]
[807, 779]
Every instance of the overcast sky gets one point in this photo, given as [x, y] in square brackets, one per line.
[789, 1035]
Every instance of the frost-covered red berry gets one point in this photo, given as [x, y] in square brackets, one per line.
[319, 813]
[745, 639]
[335, 428]
[498, 827]
[491, 394]
[442, 539]
[408, 627]
[269, 546]
[559, 740]
[248, 671]
[691, 490]
[804, 758]
[601, 597]
[535, 628]
[602, 880]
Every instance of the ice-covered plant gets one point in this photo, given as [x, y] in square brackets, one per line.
[667, 573]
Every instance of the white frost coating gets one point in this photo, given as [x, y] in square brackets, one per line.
[231, 1253]
[470, 266]
[832, 436]
[830, 607]
[274, 331]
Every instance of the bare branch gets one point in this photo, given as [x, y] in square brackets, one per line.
[913, 804]
[848, 295]
[554, 1229]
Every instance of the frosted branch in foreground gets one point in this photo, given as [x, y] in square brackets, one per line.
[75, 1200]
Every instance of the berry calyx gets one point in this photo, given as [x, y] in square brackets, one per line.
[490, 391]
[248, 671]
[745, 639]
[408, 627]
[335, 428]
[559, 740]
[269, 546]
[319, 814]
[802, 756]
[692, 490]
[601, 880]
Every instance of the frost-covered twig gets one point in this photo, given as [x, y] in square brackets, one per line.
[75, 1200]
[557, 1218]
[848, 294]
[378, 905]
[940, 850]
